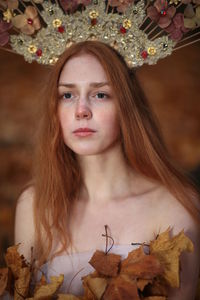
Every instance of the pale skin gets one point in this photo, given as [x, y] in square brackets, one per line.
[134, 208]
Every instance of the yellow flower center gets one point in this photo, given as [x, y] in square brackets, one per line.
[32, 49]
[93, 14]
[151, 51]
[57, 23]
[127, 23]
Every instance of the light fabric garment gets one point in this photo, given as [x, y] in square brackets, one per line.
[69, 265]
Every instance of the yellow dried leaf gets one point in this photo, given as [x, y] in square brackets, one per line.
[88, 294]
[97, 286]
[168, 251]
[106, 264]
[3, 280]
[22, 284]
[48, 290]
[14, 260]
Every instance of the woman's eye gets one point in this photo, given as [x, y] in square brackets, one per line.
[66, 95]
[102, 95]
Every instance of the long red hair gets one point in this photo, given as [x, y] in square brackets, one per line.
[57, 174]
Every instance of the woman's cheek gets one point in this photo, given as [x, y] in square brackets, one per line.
[110, 122]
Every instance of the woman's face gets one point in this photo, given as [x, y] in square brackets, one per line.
[87, 100]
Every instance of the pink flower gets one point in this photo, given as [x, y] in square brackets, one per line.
[72, 5]
[121, 5]
[4, 35]
[161, 13]
[177, 28]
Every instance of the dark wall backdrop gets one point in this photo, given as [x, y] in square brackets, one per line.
[172, 87]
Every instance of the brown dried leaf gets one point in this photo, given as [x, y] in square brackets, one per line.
[141, 283]
[106, 264]
[120, 288]
[168, 251]
[159, 287]
[14, 260]
[22, 284]
[3, 280]
[67, 297]
[133, 256]
[140, 265]
[48, 290]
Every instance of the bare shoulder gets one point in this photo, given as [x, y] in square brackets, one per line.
[172, 212]
[24, 222]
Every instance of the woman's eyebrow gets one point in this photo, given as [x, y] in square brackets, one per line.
[92, 84]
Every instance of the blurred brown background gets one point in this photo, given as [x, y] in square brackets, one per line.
[172, 87]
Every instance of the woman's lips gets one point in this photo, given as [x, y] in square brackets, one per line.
[84, 133]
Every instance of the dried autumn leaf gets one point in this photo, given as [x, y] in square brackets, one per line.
[14, 260]
[141, 283]
[120, 288]
[48, 290]
[67, 297]
[106, 264]
[159, 287]
[133, 256]
[88, 294]
[3, 280]
[140, 265]
[168, 251]
[97, 286]
[22, 284]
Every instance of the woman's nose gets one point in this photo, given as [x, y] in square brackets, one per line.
[83, 111]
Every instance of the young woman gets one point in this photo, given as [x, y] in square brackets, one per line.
[118, 173]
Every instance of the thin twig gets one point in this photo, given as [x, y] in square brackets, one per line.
[152, 30]
[73, 279]
[149, 25]
[134, 244]
[190, 36]
[107, 237]
[144, 21]
[39, 12]
[177, 48]
[157, 35]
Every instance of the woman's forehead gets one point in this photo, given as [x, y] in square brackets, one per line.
[83, 68]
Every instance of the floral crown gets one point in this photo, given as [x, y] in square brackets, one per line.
[142, 31]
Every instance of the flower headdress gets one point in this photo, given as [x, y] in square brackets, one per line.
[143, 31]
